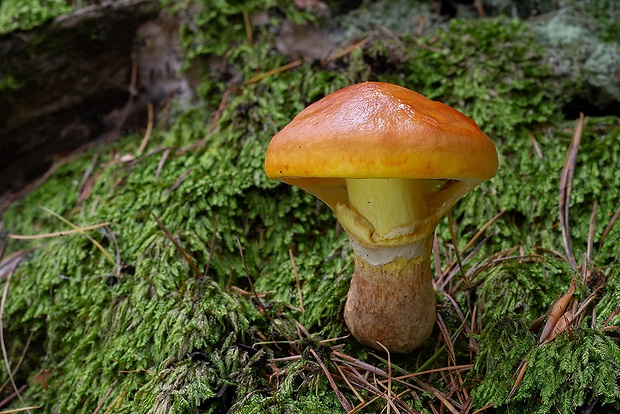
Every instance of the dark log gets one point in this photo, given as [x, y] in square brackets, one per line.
[69, 74]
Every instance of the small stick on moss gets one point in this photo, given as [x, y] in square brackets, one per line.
[162, 161]
[178, 182]
[261, 308]
[520, 375]
[351, 387]
[590, 244]
[389, 372]
[248, 27]
[217, 220]
[149, 129]
[442, 397]
[301, 300]
[119, 400]
[446, 339]
[2, 343]
[80, 231]
[608, 228]
[11, 396]
[346, 50]
[345, 403]
[566, 186]
[117, 251]
[19, 363]
[536, 147]
[465, 367]
[176, 244]
[86, 177]
[483, 229]
[220, 108]
[271, 72]
[19, 410]
[105, 397]
[57, 233]
[557, 311]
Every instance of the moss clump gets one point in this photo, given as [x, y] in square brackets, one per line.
[526, 289]
[580, 368]
[489, 69]
[24, 15]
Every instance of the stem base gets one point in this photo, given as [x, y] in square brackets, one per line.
[393, 304]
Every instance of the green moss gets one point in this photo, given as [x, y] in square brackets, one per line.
[527, 289]
[217, 27]
[489, 69]
[150, 332]
[24, 15]
[579, 368]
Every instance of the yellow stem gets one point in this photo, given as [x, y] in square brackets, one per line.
[387, 203]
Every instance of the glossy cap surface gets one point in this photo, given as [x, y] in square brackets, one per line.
[379, 130]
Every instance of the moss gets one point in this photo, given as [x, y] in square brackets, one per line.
[579, 368]
[527, 289]
[489, 69]
[24, 15]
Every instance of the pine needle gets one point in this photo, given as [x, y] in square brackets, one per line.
[2, 343]
[80, 231]
[301, 299]
[345, 403]
[149, 130]
[566, 186]
[520, 375]
[176, 244]
[272, 72]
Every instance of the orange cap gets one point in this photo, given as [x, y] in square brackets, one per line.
[379, 130]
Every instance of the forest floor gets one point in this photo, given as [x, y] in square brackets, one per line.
[162, 271]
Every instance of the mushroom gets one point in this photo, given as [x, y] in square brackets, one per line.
[389, 163]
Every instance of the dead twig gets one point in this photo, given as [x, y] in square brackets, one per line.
[347, 50]
[248, 27]
[520, 374]
[536, 146]
[261, 308]
[105, 397]
[21, 409]
[149, 129]
[345, 403]
[608, 228]
[162, 161]
[301, 299]
[80, 230]
[212, 246]
[557, 311]
[2, 343]
[389, 373]
[176, 244]
[566, 186]
[272, 72]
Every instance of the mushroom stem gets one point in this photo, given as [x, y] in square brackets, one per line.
[393, 303]
[387, 203]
